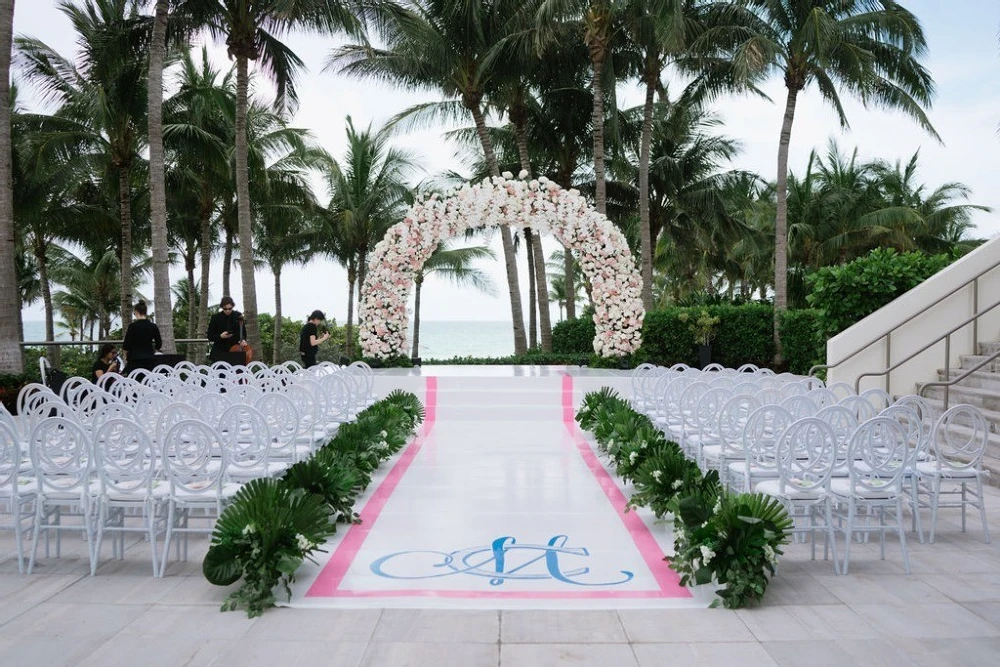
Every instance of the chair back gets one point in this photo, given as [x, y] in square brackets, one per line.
[959, 438]
[193, 459]
[124, 456]
[877, 456]
[806, 455]
[61, 455]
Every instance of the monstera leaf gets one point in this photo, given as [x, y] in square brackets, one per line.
[222, 566]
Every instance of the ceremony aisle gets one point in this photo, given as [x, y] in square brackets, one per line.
[499, 502]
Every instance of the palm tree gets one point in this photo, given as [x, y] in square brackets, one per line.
[368, 194]
[102, 100]
[251, 29]
[454, 265]
[157, 182]
[599, 23]
[559, 290]
[10, 307]
[448, 45]
[199, 133]
[866, 47]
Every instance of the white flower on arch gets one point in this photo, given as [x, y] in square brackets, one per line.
[599, 246]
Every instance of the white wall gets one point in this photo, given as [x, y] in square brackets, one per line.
[912, 329]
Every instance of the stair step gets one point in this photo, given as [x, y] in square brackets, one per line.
[967, 361]
[986, 400]
[981, 379]
[989, 348]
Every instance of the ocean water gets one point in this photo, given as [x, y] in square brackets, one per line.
[444, 340]
[438, 340]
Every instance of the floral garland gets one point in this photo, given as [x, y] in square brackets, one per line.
[540, 204]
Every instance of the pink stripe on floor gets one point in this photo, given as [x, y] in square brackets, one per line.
[333, 573]
[666, 579]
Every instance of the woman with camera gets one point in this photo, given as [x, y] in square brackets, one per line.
[309, 338]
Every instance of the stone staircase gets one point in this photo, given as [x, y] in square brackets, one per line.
[981, 389]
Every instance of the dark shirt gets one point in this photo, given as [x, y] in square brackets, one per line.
[142, 340]
[99, 365]
[219, 324]
[305, 346]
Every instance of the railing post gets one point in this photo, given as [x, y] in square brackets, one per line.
[888, 361]
[975, 311]
[947, 368]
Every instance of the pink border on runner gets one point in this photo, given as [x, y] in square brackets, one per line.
[327, 583]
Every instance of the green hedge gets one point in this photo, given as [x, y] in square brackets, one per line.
[848, 293]
[574, 336]
[744, 334]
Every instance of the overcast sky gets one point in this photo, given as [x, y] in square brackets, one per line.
[963, 58]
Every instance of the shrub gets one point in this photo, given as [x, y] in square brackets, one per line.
[744, 335]
[802, 341]
[667, 339]
[574, 336]
[850, 292]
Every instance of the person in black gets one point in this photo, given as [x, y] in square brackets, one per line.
[142, 338]
[309, 338]
[225, 329]
[106, 363]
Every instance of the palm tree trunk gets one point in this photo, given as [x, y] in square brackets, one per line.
[510, 258]
[50, 329]
[349, 327]
[418, 282]
[362, 275]
[227, 264]
[206, 265]
[781, 224]
[276, 343]
[189, 267]
[125, 207]
[645, 232]
[537, 264]
[597, 55]
[566, 182]
[157, 183]
[529, 251]
[243, 207]
[11, 360]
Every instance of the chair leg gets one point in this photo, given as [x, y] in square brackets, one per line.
[982, 509]
[849, 532]
[166, 539]
[935, 501]
[831, 538]
[965, 502]
[39, 517]
[902, 534]
[915, 508]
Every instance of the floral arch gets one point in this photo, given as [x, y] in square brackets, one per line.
[599, 246]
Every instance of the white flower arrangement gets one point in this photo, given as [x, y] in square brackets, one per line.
[706, 554]
[541, 204]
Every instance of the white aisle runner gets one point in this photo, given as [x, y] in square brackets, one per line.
[498, 503]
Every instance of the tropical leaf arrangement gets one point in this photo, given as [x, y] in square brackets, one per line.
[731, 540]
[273, 525]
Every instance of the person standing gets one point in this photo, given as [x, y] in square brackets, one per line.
[309, 338]
[225, 329]
[142, 338]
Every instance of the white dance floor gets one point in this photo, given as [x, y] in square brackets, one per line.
[499, 502]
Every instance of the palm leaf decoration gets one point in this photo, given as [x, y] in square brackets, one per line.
[264, 536]
[335, 484]
[409, 403]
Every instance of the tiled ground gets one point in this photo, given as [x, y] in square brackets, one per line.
[946, 612]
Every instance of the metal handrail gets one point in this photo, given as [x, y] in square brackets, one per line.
[947, 384]
[49, 343]
[974, 281]
[947, 349]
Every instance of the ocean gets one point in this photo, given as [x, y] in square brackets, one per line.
[438, 340]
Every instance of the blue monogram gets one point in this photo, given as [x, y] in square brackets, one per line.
[503, 559]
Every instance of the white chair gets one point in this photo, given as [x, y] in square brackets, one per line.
[149, 407]
[841, 389]
[246, 437]
[62, 461]
[171, 414]
[108, 412]
[17, 490]
[707, 419]
[806, 454]
[958, 443]
[879, 398]
[800, 405]
[283, 424]
[862, 408]
[732, 420]
[127, 467]
[211, 405]
[822, 397]
[760, 440]
[195, 466]
[876, 460]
